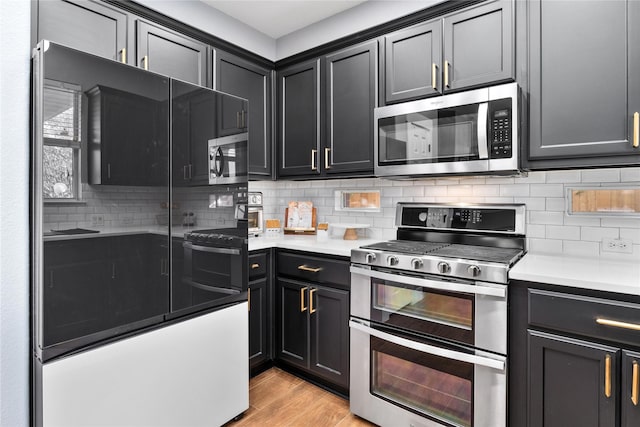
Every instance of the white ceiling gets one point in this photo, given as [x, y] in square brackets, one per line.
[277, 18]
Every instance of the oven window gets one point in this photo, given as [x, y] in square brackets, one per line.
[434, 386]
[398, 300]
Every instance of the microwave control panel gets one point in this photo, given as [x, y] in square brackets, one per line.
[500, 125]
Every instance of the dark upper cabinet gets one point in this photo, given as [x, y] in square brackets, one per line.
[478, 45]
[470, 48]
[127, 138]
[325, 119]
[170, 53]
[299, 119]
[350, 90]
[584, 84]
[252, 82]
[572, 382]
[412, 62]
[90, 26]
[630, 395]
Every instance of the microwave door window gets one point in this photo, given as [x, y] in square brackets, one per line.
[409, 138]
[458, 133]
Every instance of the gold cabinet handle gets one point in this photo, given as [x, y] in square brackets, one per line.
[618, 324]
[636, 129]
[249, 299]
[302, 306]
[254, 266]
[145, 62]
[310, 269]
[311, 309]
[123, 55]
[635, 380]
[327, 150]
[314, 167]
[434, 78]
[607, 376]
[446, 73]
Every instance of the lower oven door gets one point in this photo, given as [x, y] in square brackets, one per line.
[407, 381]
[471, 313]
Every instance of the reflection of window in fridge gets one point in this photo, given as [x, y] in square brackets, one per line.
[420, 143]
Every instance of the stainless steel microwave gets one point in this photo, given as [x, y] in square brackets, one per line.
[471, 132]
[228, 159]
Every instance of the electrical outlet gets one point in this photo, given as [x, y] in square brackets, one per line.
[97, 220]
[617, 245]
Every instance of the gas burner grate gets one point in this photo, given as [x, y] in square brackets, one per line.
[407, 247]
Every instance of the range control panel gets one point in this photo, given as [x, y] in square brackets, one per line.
[469, 218]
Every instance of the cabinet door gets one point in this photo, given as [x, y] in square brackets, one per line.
[299, 119]
[571, 382]
[250, 81]
[93, 27]
[329, 323]
[478, 46]
[258, 323]
[412, 62]
[293, 322]
[350, 99]
[630, 396]
[170, 53]
[582, 104]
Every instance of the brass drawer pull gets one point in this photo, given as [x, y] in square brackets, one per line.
[310, 269]
[446, 73]
[302, 306]
[145, 60]
[635, 380]
[636, 129]
[618, 324]
[327, 150]
[311, 309]
[254, 266]
[434, 78]
[314, 167]
[607, 376]
[123, 55]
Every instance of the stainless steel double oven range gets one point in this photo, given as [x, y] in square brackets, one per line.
[429, 317]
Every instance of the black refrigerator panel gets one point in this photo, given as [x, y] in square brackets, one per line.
[100, 164]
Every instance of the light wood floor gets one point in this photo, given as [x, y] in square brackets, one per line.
[277, 398]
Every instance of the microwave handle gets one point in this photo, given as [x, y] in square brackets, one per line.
[214, 166]
[430, 349]
[500, 292]
[483, 124]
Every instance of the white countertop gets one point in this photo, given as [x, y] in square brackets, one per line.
[310, 243]
[587, 273]
[120, 231]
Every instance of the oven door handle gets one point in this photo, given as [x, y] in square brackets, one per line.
[433, 284]
[430, 349]
[204, 287]
[214, 250]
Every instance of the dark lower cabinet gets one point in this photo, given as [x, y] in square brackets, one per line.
[260, 325]
[573, 357]
[312, 317]
[572, 382]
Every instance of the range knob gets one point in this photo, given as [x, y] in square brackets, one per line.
[392, 260]
[369, 258]
[474, 270]
[443, 267]
[416, 263]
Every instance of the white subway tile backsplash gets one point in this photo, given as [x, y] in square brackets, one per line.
[536, 231]
[486, 190]
[630, 175]
[582, 220]
[533, 203]
[621, 222]
[632, 234]
[580, 248]
[460, 190]
[600, 175]
[596, 234]
[544, 246]
[564, 177]
[519, 190]
[547, 190]
[555, 204]
[532, 178]
[546, 218]
[563, 232]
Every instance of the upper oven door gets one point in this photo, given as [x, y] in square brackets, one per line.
[453, 134]
[228, 159]
[472, 313]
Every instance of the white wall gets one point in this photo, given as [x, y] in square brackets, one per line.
[14, 212]
[358, 18]
[214, 22]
